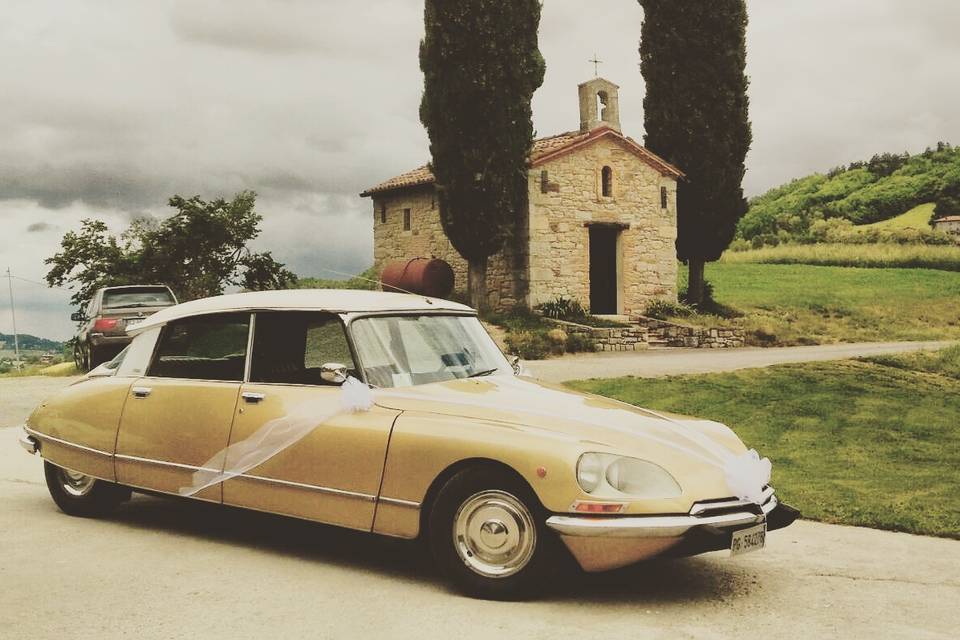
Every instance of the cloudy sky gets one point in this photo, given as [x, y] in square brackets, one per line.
[109, 107]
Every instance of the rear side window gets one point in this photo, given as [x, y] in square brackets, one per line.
[134, 298]
[210, 347]
[290, 347]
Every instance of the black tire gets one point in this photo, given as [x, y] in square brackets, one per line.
[95, 357]
[489, 492]
[78, 358]
[82, 496]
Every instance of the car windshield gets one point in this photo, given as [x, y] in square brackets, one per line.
[127, 298]
[400, 351]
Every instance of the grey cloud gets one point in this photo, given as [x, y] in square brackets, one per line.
[38, 227]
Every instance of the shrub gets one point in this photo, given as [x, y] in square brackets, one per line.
[563, 309]
[577, 343]
[663, 309]
[529, 345]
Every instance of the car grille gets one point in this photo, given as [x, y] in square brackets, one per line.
[721, 506]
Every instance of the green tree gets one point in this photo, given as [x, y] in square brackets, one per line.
[692, 57]
[481, 66]
[197, 251]
[948, 202]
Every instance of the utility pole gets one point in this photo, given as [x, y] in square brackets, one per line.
[13, 314]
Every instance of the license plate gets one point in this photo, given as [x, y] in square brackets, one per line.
[747, 540]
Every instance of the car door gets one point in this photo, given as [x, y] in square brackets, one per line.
[178, 416]
[330, 469]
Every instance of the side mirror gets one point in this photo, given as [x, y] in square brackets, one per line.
[333, 372]
[76, 316]
[516, 365]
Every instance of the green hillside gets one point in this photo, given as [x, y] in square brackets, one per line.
[30, 343]
[916, 218]
[882, 188]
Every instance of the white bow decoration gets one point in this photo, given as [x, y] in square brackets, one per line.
[747, 475]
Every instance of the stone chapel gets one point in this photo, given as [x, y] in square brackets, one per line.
[601, 225]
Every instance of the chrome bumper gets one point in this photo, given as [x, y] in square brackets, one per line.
[28, 442]
[715, 516]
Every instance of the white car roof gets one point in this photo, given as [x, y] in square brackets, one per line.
[330, 300]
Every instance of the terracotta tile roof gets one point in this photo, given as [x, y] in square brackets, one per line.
[543, 150]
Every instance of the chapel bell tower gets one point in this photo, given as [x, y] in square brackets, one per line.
[599, 105]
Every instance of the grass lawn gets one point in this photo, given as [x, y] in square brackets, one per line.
[916, 218]
[852, 442]
[877, 255]
[804, 304]
[55, 370]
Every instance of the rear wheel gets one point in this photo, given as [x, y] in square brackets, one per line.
[78, 494]
[487, 534]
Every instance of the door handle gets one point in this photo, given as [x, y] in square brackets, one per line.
[252, 397]
[141, 392]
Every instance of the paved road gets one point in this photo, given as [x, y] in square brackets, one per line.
[665, 362]
[164, 568]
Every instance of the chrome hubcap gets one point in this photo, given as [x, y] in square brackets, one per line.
[76, 484]
[494, 534]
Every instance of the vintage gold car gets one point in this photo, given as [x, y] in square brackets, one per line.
[396, 414]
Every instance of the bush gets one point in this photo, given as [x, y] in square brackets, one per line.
[577, 343]
[529, 345]
[563, 309]
[664, 309]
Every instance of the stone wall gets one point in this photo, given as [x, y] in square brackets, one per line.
[671, 334]
[426, 239]
[629, 338]
[560, 219]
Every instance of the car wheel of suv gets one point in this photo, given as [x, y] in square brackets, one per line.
[94, 357]
[487, 534]
[78, 358]
[81, 495]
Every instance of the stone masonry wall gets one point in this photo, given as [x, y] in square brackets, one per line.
[671, 334]
[559, 237]
[426, 239]
[629, 338]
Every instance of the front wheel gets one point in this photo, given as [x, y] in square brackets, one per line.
[487, 534]
[81, 495]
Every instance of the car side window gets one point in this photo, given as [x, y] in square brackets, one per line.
[210, 347]
[290, 347]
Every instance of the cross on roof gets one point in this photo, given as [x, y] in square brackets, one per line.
[596, 65]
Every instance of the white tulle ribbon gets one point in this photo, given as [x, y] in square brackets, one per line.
[746, 474]
[277, 435]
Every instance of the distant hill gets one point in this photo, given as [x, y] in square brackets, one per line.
[881, 188]
[30, 343]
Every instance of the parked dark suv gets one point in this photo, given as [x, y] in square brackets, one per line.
[103, 333]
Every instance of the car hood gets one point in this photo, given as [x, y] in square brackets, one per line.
[676, 442]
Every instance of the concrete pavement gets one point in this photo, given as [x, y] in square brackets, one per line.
[165, 568]
[673, 361]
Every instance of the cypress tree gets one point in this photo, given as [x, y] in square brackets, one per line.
[692, 57]
[481, 66]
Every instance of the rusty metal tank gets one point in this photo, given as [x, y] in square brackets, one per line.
[424, 276]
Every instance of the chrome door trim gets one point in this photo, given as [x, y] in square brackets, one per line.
[366, 497]
[397, 502]
[163, 463]
[248, 362]
[66, 443]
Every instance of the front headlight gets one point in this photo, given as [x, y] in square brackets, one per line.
[605, 474]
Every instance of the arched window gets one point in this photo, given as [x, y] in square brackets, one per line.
[606, 182]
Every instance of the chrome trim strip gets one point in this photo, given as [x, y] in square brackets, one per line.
[43, 436]
[651, 526]
[163, 463]
[248, 360]
[311, 487]
[28, 442]
[701, 507]
[397, 502]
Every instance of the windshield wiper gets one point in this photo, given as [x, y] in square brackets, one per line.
[483, 373]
